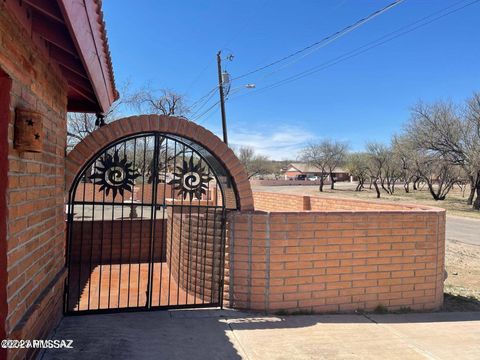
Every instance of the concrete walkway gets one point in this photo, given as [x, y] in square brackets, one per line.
[216, 334]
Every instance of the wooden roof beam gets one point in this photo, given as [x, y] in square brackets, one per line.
[53, 32]
[67, 60]
[87, 95]
[79, 81]
[47, 8]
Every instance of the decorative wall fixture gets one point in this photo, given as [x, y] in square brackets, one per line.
[28, 131]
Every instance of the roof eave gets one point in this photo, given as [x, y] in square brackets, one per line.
[84, 21]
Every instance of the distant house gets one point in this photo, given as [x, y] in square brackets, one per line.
[295, 171]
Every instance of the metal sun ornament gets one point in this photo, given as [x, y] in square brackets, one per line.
[114, 174]
[191, 180]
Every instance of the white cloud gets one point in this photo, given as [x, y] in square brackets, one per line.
[282, 142]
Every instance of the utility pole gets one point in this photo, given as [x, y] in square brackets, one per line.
[222, 97]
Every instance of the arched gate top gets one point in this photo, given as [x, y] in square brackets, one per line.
[102, 137]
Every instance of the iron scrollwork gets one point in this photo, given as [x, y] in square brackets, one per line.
[191, 180]
[114, 174]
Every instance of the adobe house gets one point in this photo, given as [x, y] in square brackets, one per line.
[54, 58]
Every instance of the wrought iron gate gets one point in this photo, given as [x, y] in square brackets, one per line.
[146, 227]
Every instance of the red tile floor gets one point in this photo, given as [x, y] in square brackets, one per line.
[125, 285]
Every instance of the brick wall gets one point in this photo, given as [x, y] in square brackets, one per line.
[194, 250]
[116, 241]
[90, 192]
[229, 195]
[279, 202]
[267, 201]
[331, 261]
[35, 193]
[330, 204]
[110, 242]
[283, 182]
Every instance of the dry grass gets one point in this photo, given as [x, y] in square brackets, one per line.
[462, 287]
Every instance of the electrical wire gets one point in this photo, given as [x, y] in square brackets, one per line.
[202, 105]
[215, 111]
[195, 80]
[226, 97]
[364, 48]
[194, 104]
[206, 111]
[201, 99]
[340, 34]
[328, 38]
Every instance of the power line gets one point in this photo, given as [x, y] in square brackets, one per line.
[208, 110]
[328, 38]
[199, 107]
[364, 48]
[237, 33]
[327, 42]
[195, 80]
[215, 111]
[203, 97]
[227, 93]
[212, 91]
[312, 48]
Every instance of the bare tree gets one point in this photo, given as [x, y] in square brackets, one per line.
[338, 154]
[162, 102]
[378, 156]
[326, 155]
[79, 125]
[357, 166]
[404, 153]
[316, 155]
[471, 136]
[439, 174]
[255, 164]
[453, 136]
[383, 167]
[391, 172]
[419, 164]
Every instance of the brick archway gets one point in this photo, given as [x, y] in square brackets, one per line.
[102, 137]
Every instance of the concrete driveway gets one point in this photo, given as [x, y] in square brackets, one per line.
[463, 229]
[228, 334]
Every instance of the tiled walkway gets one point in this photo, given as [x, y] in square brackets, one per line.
[125, 285]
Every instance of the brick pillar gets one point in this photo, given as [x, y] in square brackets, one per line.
[194, 250]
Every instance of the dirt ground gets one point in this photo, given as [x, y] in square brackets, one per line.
[462, 287]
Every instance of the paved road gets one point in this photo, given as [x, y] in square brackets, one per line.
[229, 334]
[463, 229]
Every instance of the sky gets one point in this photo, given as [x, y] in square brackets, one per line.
[353, 97]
